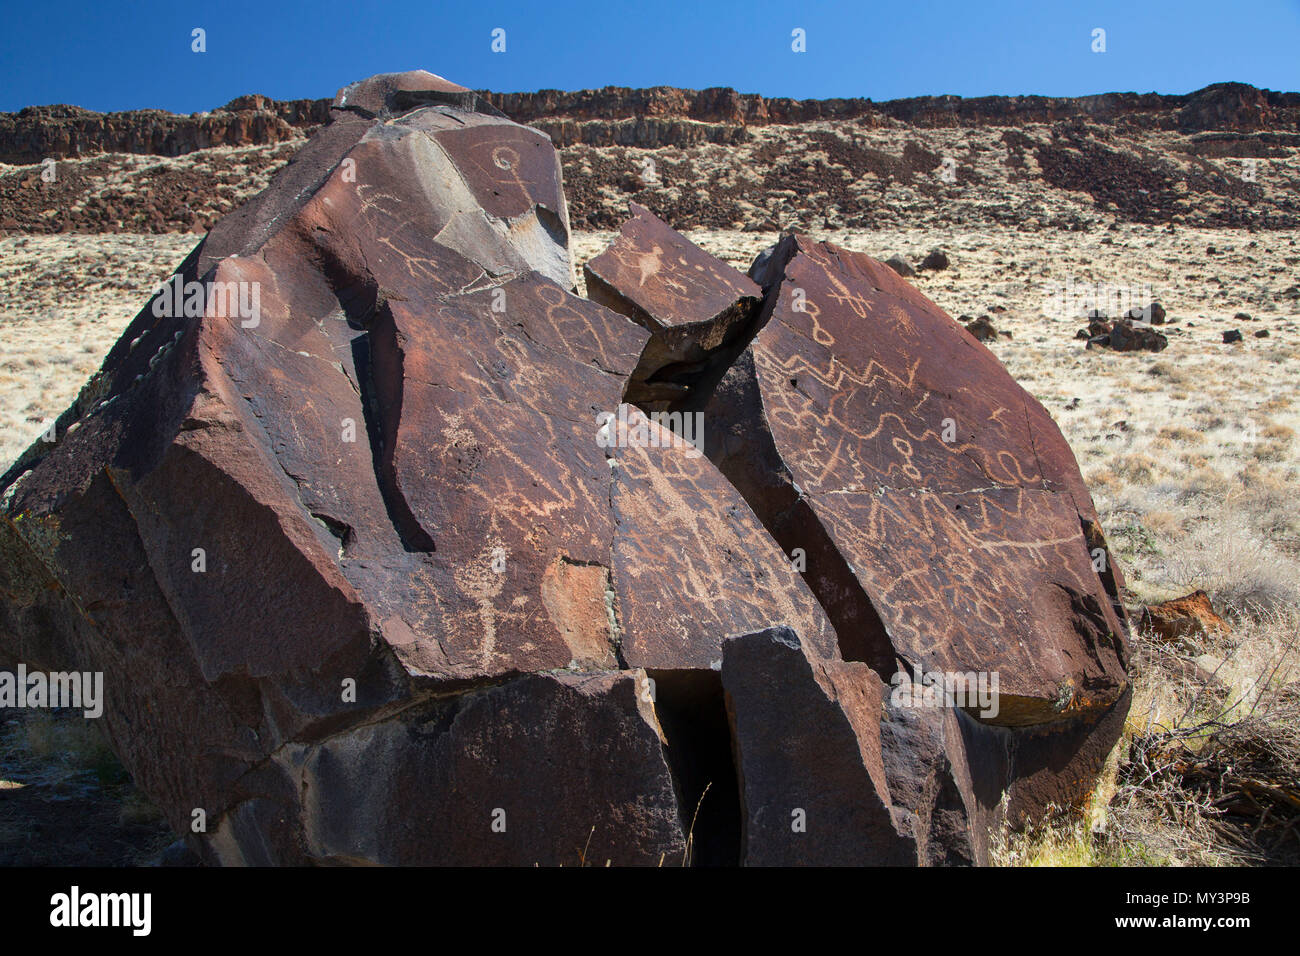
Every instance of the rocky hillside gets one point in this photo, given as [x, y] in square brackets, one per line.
[1227, 155]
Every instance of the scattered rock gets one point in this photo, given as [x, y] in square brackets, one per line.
[1233, 335]
[1125, 336]
[982, 328]
[1131, 337]
[1190, 616]
[901, 266]
[936, 261]
[1261, 333]
[1152, 314]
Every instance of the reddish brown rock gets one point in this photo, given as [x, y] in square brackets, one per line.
[362, 482]
[1127, 336]
[934, 784]
[68, 132]
[982, 329]
[801, 748]
[692, 304]
[390, 93]
[1152, 313]
[669, 502]
[598, 788]
[375, 557]
[1190, 616]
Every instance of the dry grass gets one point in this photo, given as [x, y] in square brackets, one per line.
[1207, 772]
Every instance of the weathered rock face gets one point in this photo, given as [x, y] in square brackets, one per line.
[946, 528]
[381, 566]
[37, 132]
[1220, 106]
[799, 750]
[925, 479]
[645, 118]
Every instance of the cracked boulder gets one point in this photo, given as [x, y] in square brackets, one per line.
[923, 478]
[801, 749]
[342, 486]
[447, 775]
[391, 549]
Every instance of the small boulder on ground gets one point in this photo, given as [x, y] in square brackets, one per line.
[1154, 313]
[1191, 615]
[1125, 336]
[901, 266]
[982, 328]
[936, 261]
[1132, 337]
[1232, 335]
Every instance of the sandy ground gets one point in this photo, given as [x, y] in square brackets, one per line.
[64, 300]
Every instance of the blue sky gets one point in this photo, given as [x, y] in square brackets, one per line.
[128, 55]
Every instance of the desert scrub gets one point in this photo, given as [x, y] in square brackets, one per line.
[1207, 770]
[1212, 771]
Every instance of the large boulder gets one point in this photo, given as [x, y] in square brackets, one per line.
[383, 564]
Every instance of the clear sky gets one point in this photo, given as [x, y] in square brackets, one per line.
[129, 54]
